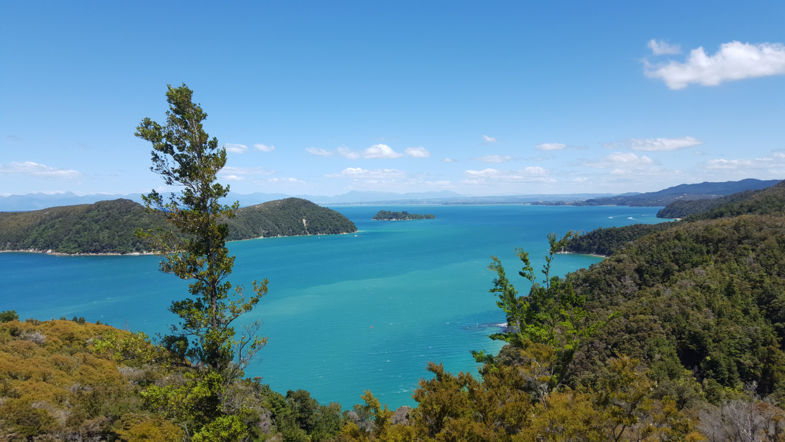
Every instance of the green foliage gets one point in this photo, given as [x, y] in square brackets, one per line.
[184, 155]
[103, 227]
[286, 217]
[386, 215]
[606, 241]
[8, 316]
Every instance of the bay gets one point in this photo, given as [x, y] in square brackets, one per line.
[345, 313]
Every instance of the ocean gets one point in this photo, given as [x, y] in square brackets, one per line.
[344, 313]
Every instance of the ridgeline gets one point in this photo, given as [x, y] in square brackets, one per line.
[682, 192]
[108, 227]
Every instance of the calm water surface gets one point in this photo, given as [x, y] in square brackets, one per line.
[344, 313]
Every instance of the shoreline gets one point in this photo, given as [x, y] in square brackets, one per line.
[146, 253]
[596, 255]
[53, 253]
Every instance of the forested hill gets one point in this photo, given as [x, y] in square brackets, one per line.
[287, 217]
[765, 201]
[109, 226]
[605, 241]
[103, 227]
[664, 197]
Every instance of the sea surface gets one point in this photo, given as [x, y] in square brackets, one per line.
[344, 313]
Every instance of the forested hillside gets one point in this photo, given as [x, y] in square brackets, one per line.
[103, 227]
[287, 217]
[109, 226]
[605, 241]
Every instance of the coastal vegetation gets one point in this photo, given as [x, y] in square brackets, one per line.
[109, 226]
[386, 215]
[286, 217]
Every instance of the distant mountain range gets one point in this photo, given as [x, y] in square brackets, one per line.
[37, 201]
[706, 190]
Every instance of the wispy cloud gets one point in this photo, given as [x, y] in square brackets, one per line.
[662, 144]
[286, 180]
[377, 151]
[417, 152]
[366, 174]
[241, 173]
[733, 61]
[660, 47]
[495, 158]
[319, 152]
[529, 174]
[448, 160]
[264, 147]
[775, 161]
[32, 168]
[622, 163]
[551, 146]
[347, 153]
[488, 139]
[235, 148]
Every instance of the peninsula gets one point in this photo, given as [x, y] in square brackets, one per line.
[107, 227]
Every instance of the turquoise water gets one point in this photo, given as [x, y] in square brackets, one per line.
[345, 313]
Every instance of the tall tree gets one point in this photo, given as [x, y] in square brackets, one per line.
[187, 158]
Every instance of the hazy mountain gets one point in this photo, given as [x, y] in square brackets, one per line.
[698, 191]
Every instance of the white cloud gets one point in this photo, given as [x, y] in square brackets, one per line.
[347, 153]
[239, 173]
[290, 180]
[551, 146]
[660, 47]
[374, 174]
[774, 162]
[381, 151]
[264, 147]
[377, 151]
[235, 148]
[529, 174]
[488, 139]
[662, 144]
[495, 158]
[36, 169]
[319, 152]
[448, 160]
[417, 152]
[734, 61]
[623, 163]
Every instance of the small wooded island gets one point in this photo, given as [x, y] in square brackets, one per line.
[386, 215]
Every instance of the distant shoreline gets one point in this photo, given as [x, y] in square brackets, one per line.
[585, 254]
[53, 253]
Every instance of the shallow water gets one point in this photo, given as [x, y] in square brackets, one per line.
[345, 313]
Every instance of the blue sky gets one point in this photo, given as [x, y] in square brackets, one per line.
[321, 98]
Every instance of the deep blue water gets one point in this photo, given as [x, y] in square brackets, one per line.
[345, 313]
